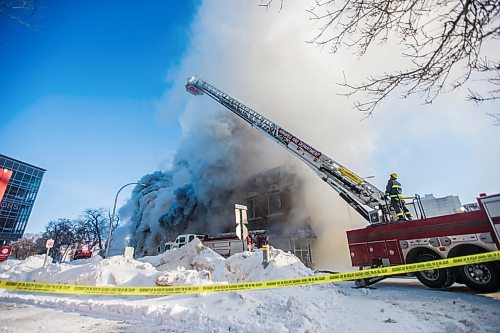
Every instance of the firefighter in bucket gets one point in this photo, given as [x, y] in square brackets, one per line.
[394, 192]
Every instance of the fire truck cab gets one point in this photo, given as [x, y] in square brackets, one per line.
[433, 238]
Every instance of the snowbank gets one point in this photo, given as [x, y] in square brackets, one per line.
[193, 264]
[181, 277]
[192, 256]
[317, 308]
[21, 270]
[247, 266]
[241, 267]
[115, 271]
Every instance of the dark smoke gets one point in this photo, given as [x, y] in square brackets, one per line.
[209, 174]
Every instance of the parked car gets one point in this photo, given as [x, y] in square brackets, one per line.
[82, 254]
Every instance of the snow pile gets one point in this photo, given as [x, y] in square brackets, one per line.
[115, 271]
[316, 308]
[241, 267]
[247, 266]
[192, 256]
[182, 277]
[175, 258]
[21, 270]
[193, 264]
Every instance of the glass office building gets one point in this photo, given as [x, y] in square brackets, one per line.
[19, 197]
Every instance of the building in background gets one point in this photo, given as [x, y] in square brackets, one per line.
[441, 206]
[19, 197]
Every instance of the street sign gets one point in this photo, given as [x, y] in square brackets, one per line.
[237, 216]
[240, 213]
[242, 207]
[238, 231]
[50, 243]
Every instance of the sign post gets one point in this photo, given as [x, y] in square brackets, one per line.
[48, 245]
[240, 213]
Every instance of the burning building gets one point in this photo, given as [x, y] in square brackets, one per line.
[269, 196]
[272, 204]
[220, 162]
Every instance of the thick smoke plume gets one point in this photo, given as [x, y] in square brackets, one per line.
[197, 194]
[261, 58]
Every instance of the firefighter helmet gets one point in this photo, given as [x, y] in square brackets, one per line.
[394, 175]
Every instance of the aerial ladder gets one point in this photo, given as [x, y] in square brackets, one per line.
[364, 197]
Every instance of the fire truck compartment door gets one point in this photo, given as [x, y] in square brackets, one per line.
[492, 207]
[388, 249]
[395, 255]
[359, 254]
[377, 250]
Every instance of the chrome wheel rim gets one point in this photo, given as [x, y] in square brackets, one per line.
[431, 274]
[478, 273]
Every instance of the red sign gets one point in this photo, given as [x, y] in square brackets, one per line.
[299, 143]
[4, 252]
[5, 175]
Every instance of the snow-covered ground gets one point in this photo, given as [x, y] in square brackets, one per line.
[397, 305]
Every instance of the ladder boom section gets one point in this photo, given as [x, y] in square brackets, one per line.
[351, 187]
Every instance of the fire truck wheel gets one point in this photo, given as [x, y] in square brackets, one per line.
[434, 278]
[482, 277]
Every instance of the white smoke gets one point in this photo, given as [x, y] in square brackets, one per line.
[197, 194]
[262, 59]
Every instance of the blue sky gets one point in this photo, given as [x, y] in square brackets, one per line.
[77, 97]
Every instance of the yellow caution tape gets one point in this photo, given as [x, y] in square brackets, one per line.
[308, 280]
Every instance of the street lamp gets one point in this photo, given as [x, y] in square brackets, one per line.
[113, 216]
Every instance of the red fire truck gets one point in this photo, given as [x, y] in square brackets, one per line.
[433, 238]
[387, 241]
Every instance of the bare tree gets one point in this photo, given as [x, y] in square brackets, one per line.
[95, 225]
[496, 117]
[24, 247]
[40, 244]
[267, 3]
[18, 10]
[61, 230]
[442, 39]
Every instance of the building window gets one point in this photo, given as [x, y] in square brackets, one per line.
[275, 203]
[302, 250]
[254, 210]
[18, 200]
